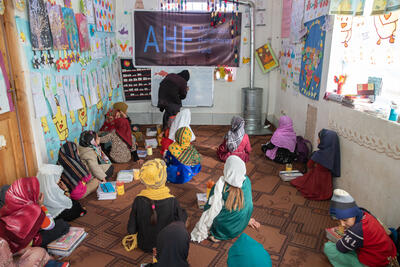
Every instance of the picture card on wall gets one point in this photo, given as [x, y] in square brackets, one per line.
[70, 26]
[266, 58]
[39, 26]
[315, 9]
[83, 32]
[60, 41]
[104, 11]
[89, 12]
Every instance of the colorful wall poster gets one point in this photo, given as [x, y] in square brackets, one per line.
[70, 26]
[266, 58]
[59, 34]
[297, 30]
[39, 26]
[89, 11]
[286, 16]
[83, 32]
[104, 11]
[312, 58]
[290, 64]
[315, 9]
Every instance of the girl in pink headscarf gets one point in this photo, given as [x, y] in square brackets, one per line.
[283, 142]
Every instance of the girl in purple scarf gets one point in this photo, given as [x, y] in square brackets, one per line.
[283, 142]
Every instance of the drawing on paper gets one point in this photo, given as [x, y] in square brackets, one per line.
[386, 26]
[346, 29]
[104, 11]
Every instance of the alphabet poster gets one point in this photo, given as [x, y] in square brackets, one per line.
[312, 57]
[39, 26]
[104, 11]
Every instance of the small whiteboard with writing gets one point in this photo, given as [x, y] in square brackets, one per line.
[201, 85]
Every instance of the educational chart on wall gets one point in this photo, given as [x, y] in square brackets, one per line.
[312, 57]
[297, 29]
[201, 85]
[136, 81]
[71, 99]
[315, 9]
[186, 39]
[290, 64]
[286, 14]
[5, 96]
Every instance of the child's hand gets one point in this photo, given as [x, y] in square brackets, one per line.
[254, 224]
[41, 199]
[104, 180]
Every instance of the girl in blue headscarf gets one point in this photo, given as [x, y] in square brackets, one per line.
[316, 184]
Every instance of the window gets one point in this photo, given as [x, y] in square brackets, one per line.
[364, 47]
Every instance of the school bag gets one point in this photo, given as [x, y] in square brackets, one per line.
[303, 149]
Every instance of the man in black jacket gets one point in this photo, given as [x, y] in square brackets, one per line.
[170, 94]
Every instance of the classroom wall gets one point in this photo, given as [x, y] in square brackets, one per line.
[369, 171]
[227, 96]
[44, 142]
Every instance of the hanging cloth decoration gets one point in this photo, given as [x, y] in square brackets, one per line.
[39, 26]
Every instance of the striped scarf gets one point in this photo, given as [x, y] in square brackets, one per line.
[74, 169]
[181, 148]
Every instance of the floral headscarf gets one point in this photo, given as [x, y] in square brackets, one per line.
[182, 150]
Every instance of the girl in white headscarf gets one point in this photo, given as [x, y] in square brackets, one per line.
[59, 205]
[229, 206]
[182, 119]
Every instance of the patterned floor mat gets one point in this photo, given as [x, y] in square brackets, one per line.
[292, 228]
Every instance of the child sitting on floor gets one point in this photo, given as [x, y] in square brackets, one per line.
[365, 241]
[91, 153]
[316, 184]
[183, 160]
[283, 142]
[236, 142]
[75, 176]
[182, 119]
[229, 207]
[154, 207]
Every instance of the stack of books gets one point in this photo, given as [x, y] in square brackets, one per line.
[287, 176]
[334, 233]
[126, 176]
[141, 153]
[64, 245]
[106, 191]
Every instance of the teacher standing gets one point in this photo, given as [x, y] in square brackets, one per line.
[173, 88]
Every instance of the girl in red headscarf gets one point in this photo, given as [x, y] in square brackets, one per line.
[24, 220]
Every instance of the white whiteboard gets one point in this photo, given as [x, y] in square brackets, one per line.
[201, 85]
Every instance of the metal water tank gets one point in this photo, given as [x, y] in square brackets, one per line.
[252, 112]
